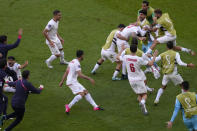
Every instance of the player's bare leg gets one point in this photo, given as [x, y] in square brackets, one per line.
[50, 59]
[159, 93]
[62, 60]
[116, 72]
[179, 48]
[99, 62]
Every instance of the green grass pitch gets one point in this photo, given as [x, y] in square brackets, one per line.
[85, 25]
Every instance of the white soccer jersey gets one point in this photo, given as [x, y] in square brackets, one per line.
[133, 64]
[73, 67]
[15, 68]
[52, 28]
[127, 31]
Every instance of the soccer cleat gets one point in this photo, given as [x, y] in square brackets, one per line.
[156, 102]
[124, 77]
[116, 79]
[48, 64]
[93, 72]
[67, 109]
[98, 108]
[64, 62]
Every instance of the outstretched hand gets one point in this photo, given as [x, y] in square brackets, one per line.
[20, 31]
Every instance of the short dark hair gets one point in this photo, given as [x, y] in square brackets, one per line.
[25, 74]
[134, 41]
[55, 12]
[121, 26]
[133, 48]
[3, 38]
[11, 58]
[79, 53]
[143, 12]
[3, 63]
[158, 11]
[185, 85]
[145, 2]
[170, 44]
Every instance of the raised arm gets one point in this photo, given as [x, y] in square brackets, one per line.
[12, 46]
[33, 89]
[24, 65]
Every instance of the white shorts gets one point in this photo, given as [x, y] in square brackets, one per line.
[166, 38]
[57, 45]
[76, 88]
[175, 78]
[110, 55]
[119, 44]
[138, 87]
[7, 88]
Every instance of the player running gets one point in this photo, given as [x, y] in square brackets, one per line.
[165, 23]
[170, 59]
[136, 75]
[72, 72]
[187, 103]
[108, 52]
[54, 40]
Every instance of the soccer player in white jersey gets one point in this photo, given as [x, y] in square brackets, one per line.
[72, 72]
[136, 75]
[54, 40]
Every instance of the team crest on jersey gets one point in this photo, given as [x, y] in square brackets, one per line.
[79, 66]
[49, 26]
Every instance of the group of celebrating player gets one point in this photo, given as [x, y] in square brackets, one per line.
[151, 28]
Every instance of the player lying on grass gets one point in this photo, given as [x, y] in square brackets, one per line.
[164, 22]
[136, 75]
[187, 103]
[109, 52]
[72, 72]
[169, 60]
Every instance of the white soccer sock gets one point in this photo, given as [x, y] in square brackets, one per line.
[75, 100]
[95, 67]
[159, 93]
[185, 50]
[90, 100]
[61, 55]
[116, 72]
[123, 68]
[51, 58]
[149, 51]
[143, 101]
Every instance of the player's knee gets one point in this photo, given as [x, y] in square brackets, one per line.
[82, 94]
[60, 49]
[85, 92]
[164, 87]
[57, 55]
